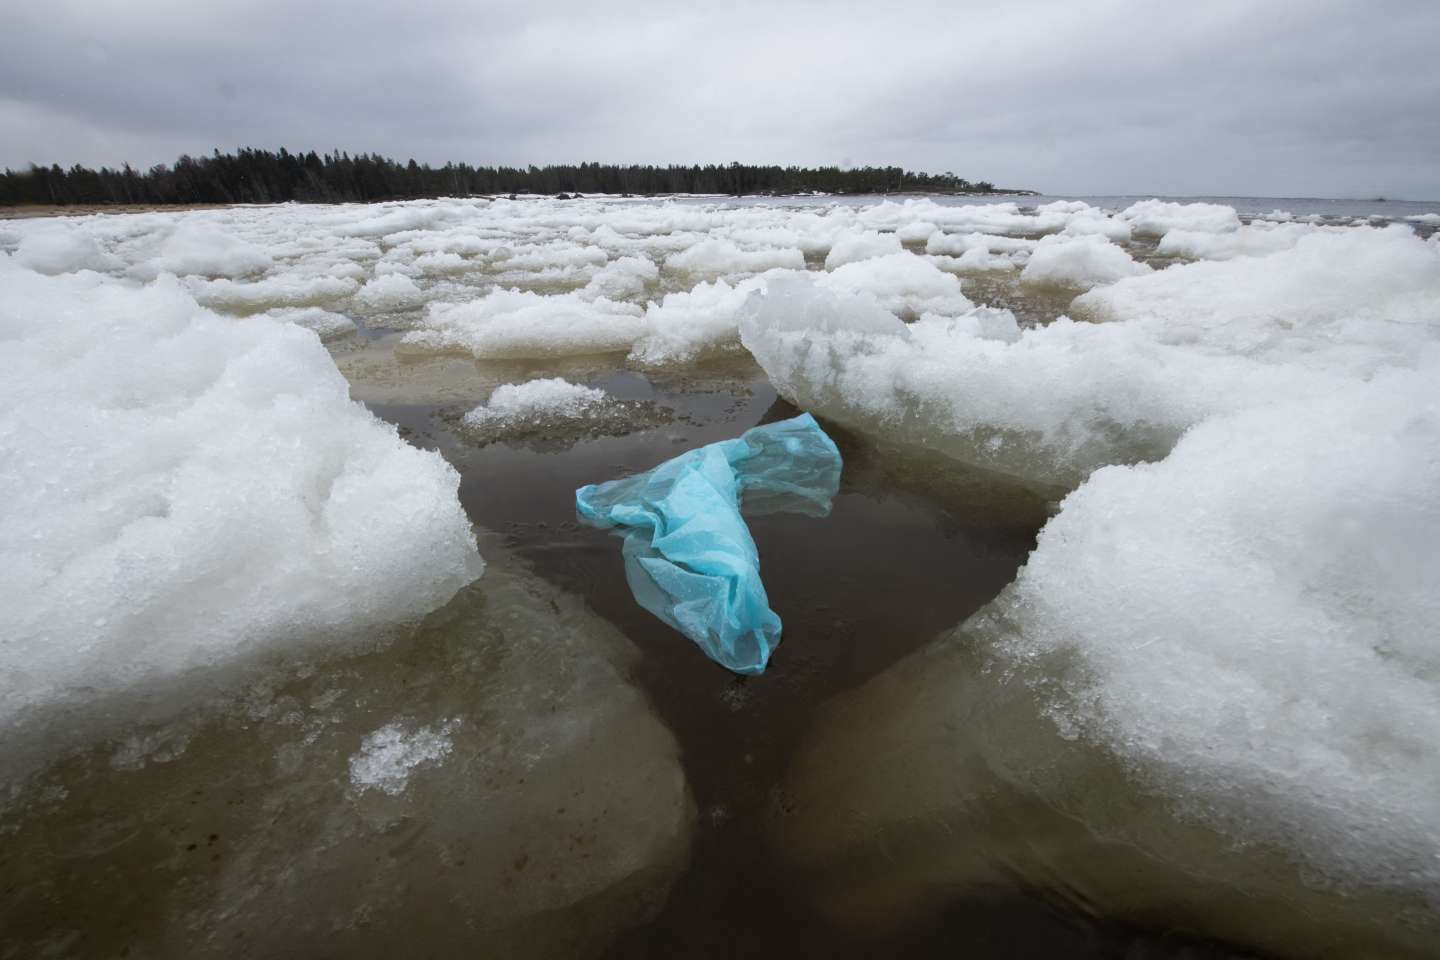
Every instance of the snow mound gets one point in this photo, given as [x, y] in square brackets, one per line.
[687, 324]
[180, 490]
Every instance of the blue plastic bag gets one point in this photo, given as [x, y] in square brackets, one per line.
[689, 557]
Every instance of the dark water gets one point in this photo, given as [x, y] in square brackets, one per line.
[912, 548]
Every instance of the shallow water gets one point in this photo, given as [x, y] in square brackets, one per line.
[912, 547]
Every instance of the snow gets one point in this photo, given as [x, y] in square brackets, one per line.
[533, 402]
[181, 490]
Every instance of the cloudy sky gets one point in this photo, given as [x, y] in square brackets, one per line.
[1261, 97]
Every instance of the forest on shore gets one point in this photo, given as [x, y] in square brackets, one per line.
[265, 176]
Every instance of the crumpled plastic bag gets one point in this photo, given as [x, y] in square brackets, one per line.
[689, 557]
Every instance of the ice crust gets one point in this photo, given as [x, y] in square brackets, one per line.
[180, 489]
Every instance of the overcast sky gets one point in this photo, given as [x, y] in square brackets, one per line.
[1262, 97]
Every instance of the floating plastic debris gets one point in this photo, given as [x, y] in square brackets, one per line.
[689, 557]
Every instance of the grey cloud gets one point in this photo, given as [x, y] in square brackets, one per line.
[1287, 97]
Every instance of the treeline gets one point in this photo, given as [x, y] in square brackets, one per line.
[264, 176]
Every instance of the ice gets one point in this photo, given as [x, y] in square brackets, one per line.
[1079, 262]
[917, 231]
[621, 279]
[1155, 218]
[687, 325]
[719, 256]
[182, 489]
[1253, 619]
[903, 283]
[392, 291]
[388, 756]
[862, 246]
[1179, 345]
[522, 323]
[514, 404]
[518, 791]
[203, 249]
[61, 248]
[283, 290]
[1254, 239]
[1221, 651]
[325, 323]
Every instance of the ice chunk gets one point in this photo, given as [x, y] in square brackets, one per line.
[862, 246]
[1155, 218]
[523, 323]
[689, 557]
[1180, 345]
[280, 290]
[1285, 555]
[520, 791]
[197, 247]
[389, 292]
[535, 400]
[1254, 239]
[903, 283]
[182, 489]
[721, 256]
[1079, 262]
[622, 279]
[687, 324]
[60, 248]
[325, 323]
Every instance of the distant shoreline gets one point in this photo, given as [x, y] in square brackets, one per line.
[34, 210]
